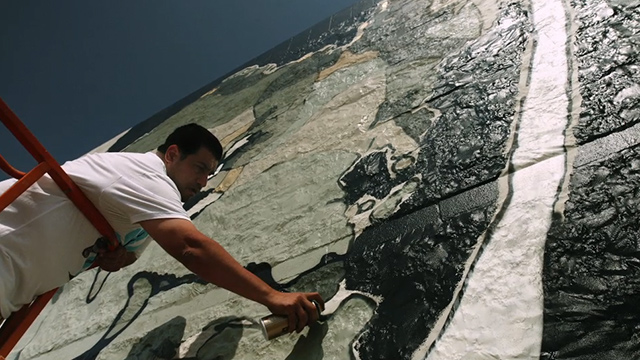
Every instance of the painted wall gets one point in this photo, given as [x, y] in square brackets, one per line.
[457, 179]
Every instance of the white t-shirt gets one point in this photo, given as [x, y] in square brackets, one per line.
[43, 234]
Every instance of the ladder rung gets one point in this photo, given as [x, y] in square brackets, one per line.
[13, 172]
[23, 184]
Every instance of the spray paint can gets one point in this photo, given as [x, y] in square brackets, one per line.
[276, 325]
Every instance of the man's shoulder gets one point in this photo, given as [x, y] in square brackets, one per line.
[123, 155]
[103, 169]
[122, 162]
[145, 169]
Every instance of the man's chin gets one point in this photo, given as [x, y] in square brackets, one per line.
[188, 196]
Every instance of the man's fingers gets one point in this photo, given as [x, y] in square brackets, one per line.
[317, 298]
[312, 311]
[293, 319]
[302, 318]
[117, 252]
[112, 260]
[300, 309]
[106, 256]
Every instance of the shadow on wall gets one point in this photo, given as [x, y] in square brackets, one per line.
[161, 343]
[220, 338]
[310, 347]
[156, 283]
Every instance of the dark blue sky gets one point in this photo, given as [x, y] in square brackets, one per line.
[80, 72]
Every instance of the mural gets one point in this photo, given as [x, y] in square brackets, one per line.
[458, 179]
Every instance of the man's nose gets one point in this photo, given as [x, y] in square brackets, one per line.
[202, 181]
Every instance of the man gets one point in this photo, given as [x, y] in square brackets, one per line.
[45, 240]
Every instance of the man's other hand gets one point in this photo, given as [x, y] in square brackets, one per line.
[115, 260]
[297, 307]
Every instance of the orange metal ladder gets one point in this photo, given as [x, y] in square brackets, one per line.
[18, 323]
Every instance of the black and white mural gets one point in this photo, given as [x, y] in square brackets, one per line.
[458, 179]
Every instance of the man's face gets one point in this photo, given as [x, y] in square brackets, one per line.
[191, 173]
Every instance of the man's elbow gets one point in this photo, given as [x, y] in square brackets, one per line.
[190, 253]
[187, 255]
[185, 244]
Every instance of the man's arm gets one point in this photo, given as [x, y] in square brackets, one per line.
[209, 260]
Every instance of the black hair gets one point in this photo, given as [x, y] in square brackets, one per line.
[190, 138]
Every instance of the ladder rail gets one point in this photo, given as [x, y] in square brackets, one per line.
[17, 324]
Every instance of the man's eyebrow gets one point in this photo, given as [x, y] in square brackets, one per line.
[205, 166]
[216, 169]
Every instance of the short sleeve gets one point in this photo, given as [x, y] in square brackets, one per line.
[136, 241]
[143, 198]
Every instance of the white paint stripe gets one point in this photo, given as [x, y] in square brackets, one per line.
[332, 305]
[104, 147]
[203, 203]
[237, 145]
[500, 314]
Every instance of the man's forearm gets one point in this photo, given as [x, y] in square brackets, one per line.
[214, 264]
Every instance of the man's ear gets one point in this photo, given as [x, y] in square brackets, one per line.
[172, 154]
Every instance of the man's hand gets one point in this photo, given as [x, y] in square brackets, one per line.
[115, 260]
[297, 307]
